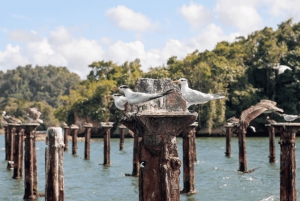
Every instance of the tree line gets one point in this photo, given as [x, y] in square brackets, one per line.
[243, 70]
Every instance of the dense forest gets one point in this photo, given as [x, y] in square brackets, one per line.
[245, 70]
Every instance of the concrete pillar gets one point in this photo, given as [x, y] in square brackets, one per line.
[272, 148]
[30, 162]
[74, 133]
[106, 127]
[18, 155]
[287, 160]
[228, 140]
[188, 160]
[122, 134]
[87, 141]
[66, 135]
[54, 188]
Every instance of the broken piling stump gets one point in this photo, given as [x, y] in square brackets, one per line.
[30, 161]
[287, 160]
[74, 133]
[188, 159]
[66, 134]
[272, 147]
[106, 127]
[18, 154]
[87, 141]
[54, 190]
[228, 140]
[122, 134]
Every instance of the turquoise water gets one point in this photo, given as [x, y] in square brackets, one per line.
[216, 176]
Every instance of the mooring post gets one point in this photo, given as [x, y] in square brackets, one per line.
[11, 133]
[272, 148]
[6, 142]
[228, 140]
[66, 137]
[122, 134]
[242, 149]
[18, 155]
[74, 133]
[188, 160]
[54, 188]
[287, 160]
[194, 141]
[87, 141]
[106, 127]
[30, 161]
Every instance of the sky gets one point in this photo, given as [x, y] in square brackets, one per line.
[75, 33]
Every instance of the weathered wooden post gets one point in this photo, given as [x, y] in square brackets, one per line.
[194, 141]
[287, 160]
[272, 148]
[159, 122]
[54, 188]
[66, 137]
[122, 134]
[228, 139]
[188, 160]
[87, 141]
[18, 155]
[74, 133]
[11, 147]
[30, 161]
[6, 141]
[106, 127]
[243, 163]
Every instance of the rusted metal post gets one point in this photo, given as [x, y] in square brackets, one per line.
[106, 137]
[18, 156]
[122, 134]
[6, 142]
[272, 148]
[242, 149]
[30, 161]
[287, 160]
[11, 133]
[74, 133]
[66, 137]
[87, 141]
[228, 140]
[54, 190]
[188, 160]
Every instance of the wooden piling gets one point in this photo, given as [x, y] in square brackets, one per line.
[287, 160]
[194, 142]
[228, 140]
[242, 149]
[11, 133]
[106, 127]
[66, 135]
[272, 148]
[18, 154]
[54, 188]
[122, 134]
[30, 161]
[74, 133]
[6, 142]
[188, 160]
[87, 141]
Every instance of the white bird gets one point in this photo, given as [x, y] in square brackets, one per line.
[136, 98]
[194, 97]
[234, 121]
[282, 68]
[10, 119]
[253, 129]
[290, 118]
[119, 101]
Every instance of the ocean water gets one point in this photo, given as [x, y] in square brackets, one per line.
[216, 176]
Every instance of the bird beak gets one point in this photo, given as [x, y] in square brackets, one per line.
[175, 82]
[116, 89]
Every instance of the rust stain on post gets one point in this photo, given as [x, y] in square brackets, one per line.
[122, 134]
[18, 155]
[107, 128]
[30, 162]
[228, 140]
[66, 134]
[272, 147]
[74, 133]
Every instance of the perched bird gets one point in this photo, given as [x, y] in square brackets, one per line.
[63, 124]
[290, 118]
[283, 68]
[33, 115]
[10, 119]
[136, 98]
[119, 101]
[270, 121]
[194, 97]
[234, 121]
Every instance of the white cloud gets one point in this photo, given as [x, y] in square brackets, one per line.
[239, 14]
[127, 19]
[196, 14]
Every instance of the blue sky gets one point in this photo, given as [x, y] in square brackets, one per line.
[76, 33]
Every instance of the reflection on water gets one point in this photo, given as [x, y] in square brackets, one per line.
[216, 176]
